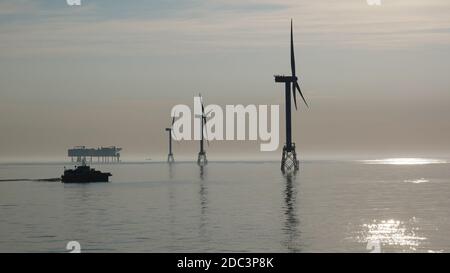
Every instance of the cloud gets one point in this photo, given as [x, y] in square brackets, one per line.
[199, 26]
[16, 7]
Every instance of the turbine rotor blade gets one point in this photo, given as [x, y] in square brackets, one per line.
[203, 107]
[172, 132]
[201, 103]
[301, 94]
[292, 52]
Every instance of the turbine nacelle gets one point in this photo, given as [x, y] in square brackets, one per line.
[282, 78]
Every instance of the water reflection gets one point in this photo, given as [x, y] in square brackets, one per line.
[172, 201]
[203, 192]
[171, 188]
[202, 172]
[171, 171]
[290, 213]
[392, 234]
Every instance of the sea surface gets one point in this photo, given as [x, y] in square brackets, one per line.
[389, 205]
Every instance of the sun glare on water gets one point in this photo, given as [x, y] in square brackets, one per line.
[417, 181]
[394, 233]
[405, 161]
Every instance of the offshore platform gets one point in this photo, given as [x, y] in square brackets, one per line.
[101, 155]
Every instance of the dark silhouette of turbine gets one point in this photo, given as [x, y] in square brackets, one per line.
[170, 158]
[289, 160]
[202, 160]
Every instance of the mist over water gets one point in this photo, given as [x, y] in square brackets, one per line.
[329, 206]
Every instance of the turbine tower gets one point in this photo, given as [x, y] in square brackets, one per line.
[170, 155]
[289, 160]
[202, 160]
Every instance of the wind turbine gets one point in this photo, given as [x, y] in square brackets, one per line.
[202, 160]
[169, 130]
[289, 157]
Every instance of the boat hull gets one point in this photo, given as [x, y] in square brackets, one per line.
[84, 174]
[104, 177]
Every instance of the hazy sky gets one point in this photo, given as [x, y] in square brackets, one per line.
[108, 73]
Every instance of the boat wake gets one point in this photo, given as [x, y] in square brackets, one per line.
[57, 179]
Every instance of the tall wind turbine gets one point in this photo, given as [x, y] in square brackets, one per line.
[169, 130]
[289, 158]
[201, 160]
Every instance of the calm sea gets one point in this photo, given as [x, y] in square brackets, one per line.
[396, 205]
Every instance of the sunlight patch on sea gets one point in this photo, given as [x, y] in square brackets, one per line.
[391, 233]
[405, 161]
[417, 181]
